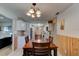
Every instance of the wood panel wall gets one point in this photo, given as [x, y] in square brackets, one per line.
[68, 46]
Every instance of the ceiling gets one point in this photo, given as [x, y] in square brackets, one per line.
[48, 10]
[4, 19]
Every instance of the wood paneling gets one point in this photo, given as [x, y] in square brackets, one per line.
[68, 46]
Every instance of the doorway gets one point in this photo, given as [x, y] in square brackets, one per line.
[39, 29]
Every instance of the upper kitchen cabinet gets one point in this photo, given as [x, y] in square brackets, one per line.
[20, 25]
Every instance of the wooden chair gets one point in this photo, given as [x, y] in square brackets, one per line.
[41, 49]
[26, 39]
[29, 51]
[38, 37]
[50, 39]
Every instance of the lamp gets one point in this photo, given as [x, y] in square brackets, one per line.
[34, 12]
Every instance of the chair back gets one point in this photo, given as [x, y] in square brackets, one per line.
[26, 39]
[38, 37]
[41, 49]
[50, 39]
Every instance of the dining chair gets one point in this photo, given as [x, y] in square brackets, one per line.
[50, 39]
[38, 37]
[29, 51]
[26, 39]
[41, 49]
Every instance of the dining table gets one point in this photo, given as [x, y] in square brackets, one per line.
[28, 46]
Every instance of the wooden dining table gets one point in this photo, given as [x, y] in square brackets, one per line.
[29, 46]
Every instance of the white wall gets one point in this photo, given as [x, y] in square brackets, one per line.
[71, 17]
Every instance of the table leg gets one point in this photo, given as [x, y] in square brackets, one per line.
[55, 52]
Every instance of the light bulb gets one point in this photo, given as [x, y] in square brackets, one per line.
[38, 12]
[38, 15]
[33, 16]
[31, 11]
[28, 14]
[38, 40]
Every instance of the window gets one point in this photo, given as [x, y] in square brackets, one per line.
[7, 28]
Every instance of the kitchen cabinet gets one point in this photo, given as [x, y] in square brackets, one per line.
[20, 25]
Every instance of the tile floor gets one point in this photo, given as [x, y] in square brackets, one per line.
[5, 51]
[19, 52]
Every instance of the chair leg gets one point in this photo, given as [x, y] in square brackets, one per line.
[50, 54]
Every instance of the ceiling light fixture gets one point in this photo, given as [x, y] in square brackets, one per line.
[34, 12]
